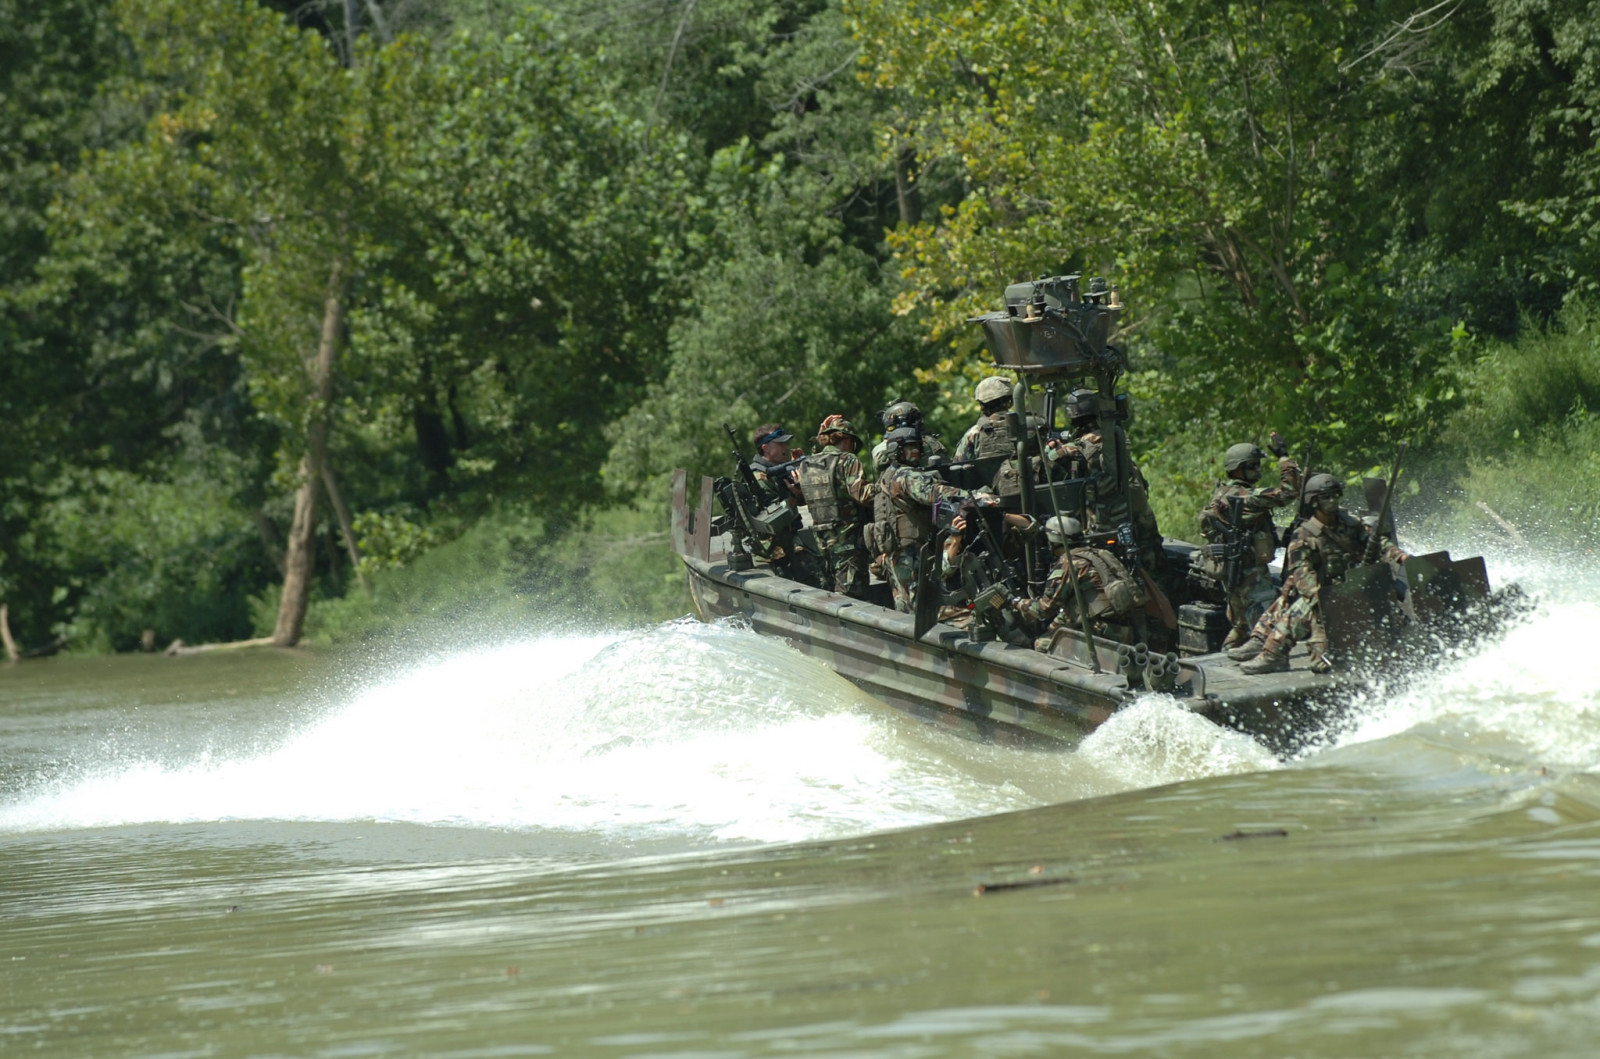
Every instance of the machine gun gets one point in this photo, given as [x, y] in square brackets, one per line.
[987, 579]
[765, 525]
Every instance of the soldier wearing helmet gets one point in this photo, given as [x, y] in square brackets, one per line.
[906, 414]
[905, 513]
[1114, 597]
[1327, 544]
[1083, 455]
[1250, 591]
[991, 434]
[835, 491]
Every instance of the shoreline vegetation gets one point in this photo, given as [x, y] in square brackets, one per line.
[329, 323]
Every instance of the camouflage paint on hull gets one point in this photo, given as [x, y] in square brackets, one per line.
[994, 690]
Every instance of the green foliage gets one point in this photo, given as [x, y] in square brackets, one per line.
[1526, 437]
[1290, 196]
[786, 323]
[511, 575]
[573, 238]
[391, 540]
[1516, 393]
[163, 555]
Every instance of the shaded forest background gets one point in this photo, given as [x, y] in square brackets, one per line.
[439, 291]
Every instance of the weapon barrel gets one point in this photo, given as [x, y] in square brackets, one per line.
[1375, 543]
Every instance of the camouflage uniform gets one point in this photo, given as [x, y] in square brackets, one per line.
[1114, 598]
[1318, 557]
[836, 492]
[1254, 592]
[1085, 457]
[909, 496]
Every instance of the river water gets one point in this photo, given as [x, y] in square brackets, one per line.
[691, 841]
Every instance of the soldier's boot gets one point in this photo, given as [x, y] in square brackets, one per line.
[1236, 636]
[1320, 663]
[1247, 650]
[1274, 658]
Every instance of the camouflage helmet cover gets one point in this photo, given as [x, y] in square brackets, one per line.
[1323, 484]
[994, 388]
[1239, 455]
[1061, 528]
[837, 424]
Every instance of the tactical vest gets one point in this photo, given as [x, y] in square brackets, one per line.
[818, 477]
[995, 439]
[1334, 549]
[1120, 592]
[1256, 525]
[897, 527]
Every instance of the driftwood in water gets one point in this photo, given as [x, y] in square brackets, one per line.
[178, 647]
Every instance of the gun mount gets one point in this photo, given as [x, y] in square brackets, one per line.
[1050, 329]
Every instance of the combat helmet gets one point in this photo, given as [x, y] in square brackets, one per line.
[902, 414]
[900, 438]
[1239, 455]
[1323, 484]
[1083, 404]
[994, 388]
[1061, 529]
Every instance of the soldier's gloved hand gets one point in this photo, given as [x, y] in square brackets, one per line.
[1276, 444]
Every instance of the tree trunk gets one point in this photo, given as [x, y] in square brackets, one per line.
[300, 560]
[343, 514]
[907, 196]
[5, 633]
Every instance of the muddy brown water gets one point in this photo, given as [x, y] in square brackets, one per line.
[689, 841]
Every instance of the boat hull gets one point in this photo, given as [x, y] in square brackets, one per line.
[994, 690]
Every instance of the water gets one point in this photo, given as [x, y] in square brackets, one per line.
[693, 841]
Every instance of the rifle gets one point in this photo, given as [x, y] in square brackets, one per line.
[745, 472]
[1234, 544]
[1375, 542]
[1300, 512]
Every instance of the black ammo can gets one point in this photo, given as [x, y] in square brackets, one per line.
[1201, 628]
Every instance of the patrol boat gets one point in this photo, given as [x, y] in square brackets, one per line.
[753, 563]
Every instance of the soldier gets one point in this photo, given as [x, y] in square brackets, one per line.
[1114, 597]
[911, 494]
[773, 455]
[1084, 456]
[1250, 590]
[836, 493]
[1326, 545]
[906, 414]
[990, 435]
